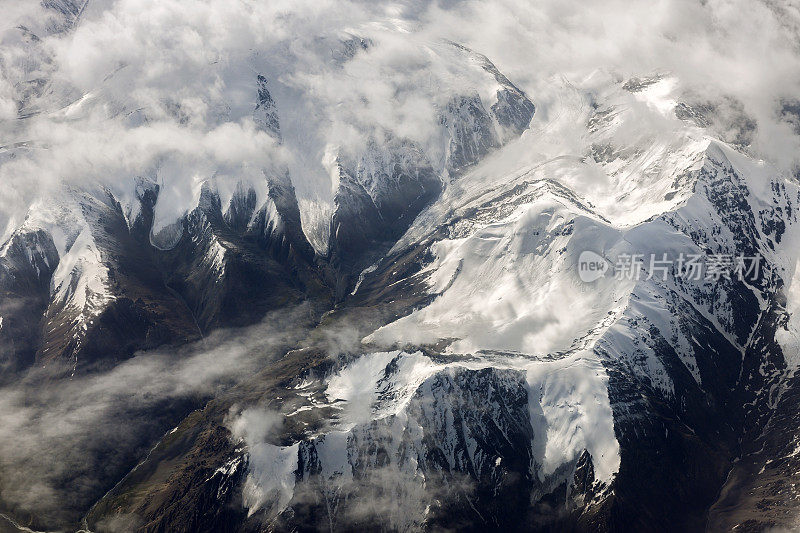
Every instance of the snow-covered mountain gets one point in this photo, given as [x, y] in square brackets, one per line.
[603, 406]
[431, 219]
[513, 394]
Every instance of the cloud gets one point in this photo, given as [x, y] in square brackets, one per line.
[64, 443]
[748, 51]
[168, 87]
[140, 82]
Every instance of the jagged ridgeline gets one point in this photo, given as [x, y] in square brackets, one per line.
[321, 307]
[127, 281]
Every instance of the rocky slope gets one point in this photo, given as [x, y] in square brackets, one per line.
[515, 395]
[454, 368]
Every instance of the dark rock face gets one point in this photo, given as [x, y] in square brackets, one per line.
[223, 270]
[759, 491]
[583, 480]
[348, 48]
[513, 110]
[789, 111]
[636, 85]
[463, 443]
[356, 223]
[470, 130]
[139, 314]
[725, 116]
[25, 272]
[233, 273]
[696, 113]
[65, 13]
[241, 209]
[265, 114]
[379, 197]
[382, 190]
[284, 238]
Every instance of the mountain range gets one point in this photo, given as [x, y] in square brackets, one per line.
[221, 343]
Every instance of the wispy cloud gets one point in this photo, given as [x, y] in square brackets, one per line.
[63, 443]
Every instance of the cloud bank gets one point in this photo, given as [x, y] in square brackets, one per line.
[168, 88]
[64, 443]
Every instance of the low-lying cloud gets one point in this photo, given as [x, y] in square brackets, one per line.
[169, 86]
[63, 443]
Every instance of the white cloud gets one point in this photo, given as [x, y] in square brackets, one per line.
[168, 87]
[62, 442]
[190, 67]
